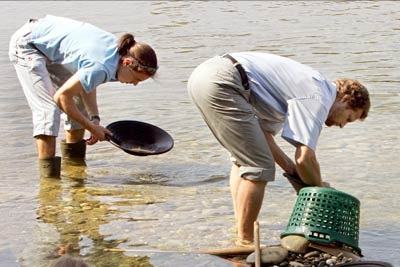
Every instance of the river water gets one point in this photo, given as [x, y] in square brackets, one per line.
[180, 201]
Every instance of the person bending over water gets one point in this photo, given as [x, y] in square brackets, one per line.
[60, 62]
[246, 98]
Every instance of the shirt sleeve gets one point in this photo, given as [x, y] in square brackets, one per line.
[92, 76]
[269, 126]
[304, 121]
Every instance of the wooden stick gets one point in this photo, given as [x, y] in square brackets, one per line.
[229, 251]
[216, 252]
[139, 250]
[257, 244]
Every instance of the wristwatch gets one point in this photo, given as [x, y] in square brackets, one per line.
[94, 117]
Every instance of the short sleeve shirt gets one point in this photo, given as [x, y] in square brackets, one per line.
[80, 47]
[287, 95]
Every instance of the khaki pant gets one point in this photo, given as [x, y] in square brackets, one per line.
[215, 87]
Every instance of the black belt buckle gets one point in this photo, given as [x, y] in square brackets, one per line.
[242, 72]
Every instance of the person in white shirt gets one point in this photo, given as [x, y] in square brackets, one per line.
[246, 98]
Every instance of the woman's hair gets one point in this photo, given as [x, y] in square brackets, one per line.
[141, 52]
[359, 96]
[69, 261]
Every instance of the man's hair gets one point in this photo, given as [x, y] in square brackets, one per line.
[359, 96]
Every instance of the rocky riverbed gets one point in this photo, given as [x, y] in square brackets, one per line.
[314, 259]
[280, 257]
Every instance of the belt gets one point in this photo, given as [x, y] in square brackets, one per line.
[242, 72]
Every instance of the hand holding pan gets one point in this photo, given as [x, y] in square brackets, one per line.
[139, 138]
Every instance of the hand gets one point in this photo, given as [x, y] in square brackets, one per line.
[295, 181]
[91, 140]
[326, 184]
[294, 177]
[98, 133]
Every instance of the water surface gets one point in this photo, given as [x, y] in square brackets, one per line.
[180, 201]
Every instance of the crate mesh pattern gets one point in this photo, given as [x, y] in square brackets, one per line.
[325, 215]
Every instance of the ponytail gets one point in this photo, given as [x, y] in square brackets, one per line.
[142, 52]
[125, 42]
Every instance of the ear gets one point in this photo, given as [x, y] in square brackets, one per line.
[126, 61]
[345, 98]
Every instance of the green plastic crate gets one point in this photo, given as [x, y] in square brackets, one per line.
[325, 215]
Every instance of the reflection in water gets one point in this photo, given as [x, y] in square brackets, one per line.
[73, 168]
[71, 208]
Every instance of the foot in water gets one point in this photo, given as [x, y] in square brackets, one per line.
[244, 243]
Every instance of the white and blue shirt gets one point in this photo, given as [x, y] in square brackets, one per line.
[80, 47]
[287, 95]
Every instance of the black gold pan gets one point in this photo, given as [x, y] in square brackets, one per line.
[139, 138]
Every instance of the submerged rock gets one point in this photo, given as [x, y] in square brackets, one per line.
[295, 243]
[270, 255]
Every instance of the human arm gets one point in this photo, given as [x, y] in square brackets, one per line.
[307, 166]
[64, 99]
[302, 128]
[287, 165]
[90, 102]
[291, 171]
[280, 157]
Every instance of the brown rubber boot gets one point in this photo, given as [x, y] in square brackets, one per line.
[50, 167]
[74, 153]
